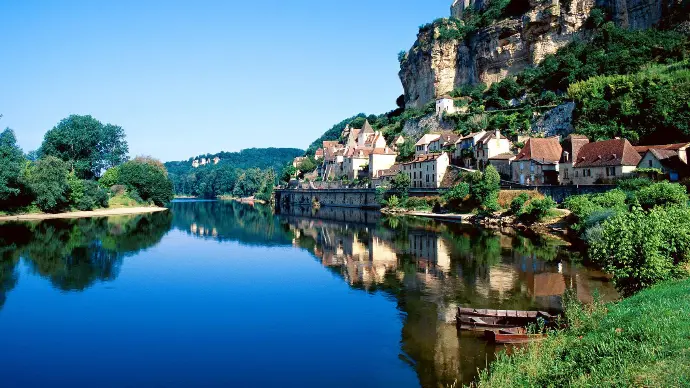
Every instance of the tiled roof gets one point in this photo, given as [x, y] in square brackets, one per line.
[367, 127]
[424, 158]
[384, 151]
[428, 138]
[616, 152]
[319, 152]
[675, 147]
[394, 170]
[670, 160]
[503, 156]
[546, 150]
[329, 144]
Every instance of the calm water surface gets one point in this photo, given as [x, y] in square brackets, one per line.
[223, 294]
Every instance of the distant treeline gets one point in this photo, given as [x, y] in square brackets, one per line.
[250, 172]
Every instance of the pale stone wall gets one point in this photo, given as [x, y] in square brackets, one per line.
[379, 162]
[590, 175]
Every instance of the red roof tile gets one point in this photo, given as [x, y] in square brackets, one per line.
[616, 152]
[543, 150]
[675, 147]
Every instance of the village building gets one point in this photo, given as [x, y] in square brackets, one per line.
[422, 145]
[446, 105]
[298, 160]
[318, 155]
[195, 163]
[444, 142]
[488, 146]
[570, 148]
[398, 141]
[464, 150]
[216, 160]
[356, 162]
[427, 171]
[503, 164]
[670, 159]
[381, 159]
[538, 161]
[332, 166]
[604, 162]
[384, 177]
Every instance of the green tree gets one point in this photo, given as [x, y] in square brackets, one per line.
[48, 180]
[86, 144]
[307, 165]
[147, 180]
[110, 177]
[12, 163]
[662, 194]
[485, 190]
[406, 151]
[401, 183]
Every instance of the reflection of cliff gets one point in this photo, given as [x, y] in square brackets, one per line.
[230, 221]
[74, 254]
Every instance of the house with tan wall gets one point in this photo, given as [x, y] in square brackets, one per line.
[604, 162]
[537, 163]
[422, 145]
[427, 171]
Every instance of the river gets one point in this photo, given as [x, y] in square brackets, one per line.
[219, 294]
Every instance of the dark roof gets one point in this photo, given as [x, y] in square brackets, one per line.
[545, 150]
[367, 127]
[616, 152]
[669, 159]
[675, 147]
[503, 156]
[424, 158]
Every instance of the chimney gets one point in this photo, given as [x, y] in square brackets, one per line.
[498, 134]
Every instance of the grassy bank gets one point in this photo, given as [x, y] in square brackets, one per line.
[643, 340]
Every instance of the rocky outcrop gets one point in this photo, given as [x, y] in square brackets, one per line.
[428, 124]
[435, 66]
[555, 122]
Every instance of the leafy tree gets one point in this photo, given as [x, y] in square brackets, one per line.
[406, 151]
[48, 180]
[110, 178]
[113, 147]
[12, 163]
[643, 248]
[147, 180]
[662, 194]
[401, 183]
[307, 165]
[517, 204]
[86, 144]
[288, 173]
[485, 190]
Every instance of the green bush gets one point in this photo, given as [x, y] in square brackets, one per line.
[642, 248]
[539, 209]
[93, 196]
[518, 202]
[110, 178]
[401, 183]
[48, 180]
[147, 180]
[456, 195]
[633, 184]
[12, 164]
[393, 201]
[485, 189]
[662, 194]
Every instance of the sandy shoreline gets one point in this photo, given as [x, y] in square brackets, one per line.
[87, 214]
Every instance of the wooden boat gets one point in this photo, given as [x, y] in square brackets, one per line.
[480, 324]
[513, 336]
[487, 319]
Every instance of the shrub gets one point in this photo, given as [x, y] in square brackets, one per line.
[110, 177]
[633, 184]
[48, 179]
[539, 209]
[662, 194]
[486, 187]
[93, 196]
[642, 248]
[401, 183]
[393, 201]
[147, 180]
[456, 195]
[518, 202]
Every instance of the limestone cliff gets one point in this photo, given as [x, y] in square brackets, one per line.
[434, 66]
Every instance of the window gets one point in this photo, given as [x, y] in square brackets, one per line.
[577, 173]
[531, 168]
[610, 171]
[566, 174]
[650, 163]
[522, 166]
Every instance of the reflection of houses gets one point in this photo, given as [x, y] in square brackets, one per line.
[202, 231]
[430, 250]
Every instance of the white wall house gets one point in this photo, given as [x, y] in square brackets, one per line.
[427, 171]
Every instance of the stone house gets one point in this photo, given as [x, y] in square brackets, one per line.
[488, 146]
[464, 149]
[444, 142]
[318, 155]
[446, 105]
[571, 147]
[604, 161]
[384, 177]
[503, 164]
[537, 162]
[427, 171]
[422, 145]
[381, 159]
[668, 161]
[195, 163]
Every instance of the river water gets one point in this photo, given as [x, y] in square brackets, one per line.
[221, 294]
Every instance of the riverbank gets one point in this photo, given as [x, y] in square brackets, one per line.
[249, 200]
[643, 340]
[84, 214]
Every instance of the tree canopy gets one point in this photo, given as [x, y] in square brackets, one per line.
[86, 145]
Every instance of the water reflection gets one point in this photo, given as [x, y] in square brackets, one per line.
[426, 267]
[75, 254]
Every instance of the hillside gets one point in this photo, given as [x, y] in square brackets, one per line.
[607, 81]
[250, 172]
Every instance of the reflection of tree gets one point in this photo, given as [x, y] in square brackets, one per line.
[74, 254]
[230, 221]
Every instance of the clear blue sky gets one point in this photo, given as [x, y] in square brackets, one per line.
[190, 77]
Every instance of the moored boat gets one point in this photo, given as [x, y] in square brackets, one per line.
[513, 336]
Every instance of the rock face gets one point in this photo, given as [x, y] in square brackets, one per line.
[434, 66]
[556, 122]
